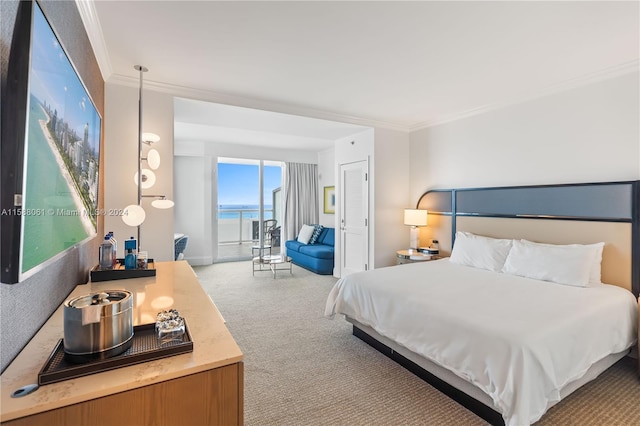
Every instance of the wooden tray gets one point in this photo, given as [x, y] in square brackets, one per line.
[145, 348]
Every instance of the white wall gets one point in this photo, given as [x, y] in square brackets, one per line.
[121, 159]
[193, 197]
[391, 194]
[587, 134]
[326, 177]
[217, 149]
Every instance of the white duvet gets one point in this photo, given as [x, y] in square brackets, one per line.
[517, 339]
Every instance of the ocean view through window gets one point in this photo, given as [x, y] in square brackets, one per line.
[243, 203]
[232, 211]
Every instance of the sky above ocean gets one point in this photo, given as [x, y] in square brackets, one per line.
[238, 184]
[54, 81]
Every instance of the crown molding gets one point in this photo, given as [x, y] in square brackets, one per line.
[240, 101]
[574, 83]
[210, 96]
[93, 28]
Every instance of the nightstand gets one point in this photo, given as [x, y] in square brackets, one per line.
[413, 256]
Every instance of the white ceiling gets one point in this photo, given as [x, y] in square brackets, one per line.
[403, 65]
[212, 122]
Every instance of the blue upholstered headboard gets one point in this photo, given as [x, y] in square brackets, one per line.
[617, 202]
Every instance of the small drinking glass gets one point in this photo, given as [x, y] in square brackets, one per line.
[143, 260]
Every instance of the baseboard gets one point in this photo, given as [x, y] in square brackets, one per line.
[199, 261]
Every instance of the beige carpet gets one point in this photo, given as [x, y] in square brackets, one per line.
[304, 369]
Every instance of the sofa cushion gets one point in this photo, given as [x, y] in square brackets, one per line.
[327, 237]
[314, 264]
[317, 230]
[293, 245]
[319, 251]
[305, 234]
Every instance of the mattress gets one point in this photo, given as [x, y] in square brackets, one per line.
[520, 341]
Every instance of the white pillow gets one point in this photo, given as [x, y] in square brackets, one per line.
[479, 251]
[569, 265]
[305, 234]
[595, 273]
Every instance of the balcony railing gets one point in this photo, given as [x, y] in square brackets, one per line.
[237, 226]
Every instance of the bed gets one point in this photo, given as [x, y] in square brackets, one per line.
[498, 326]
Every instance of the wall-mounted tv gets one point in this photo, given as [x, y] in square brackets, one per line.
[57, 153]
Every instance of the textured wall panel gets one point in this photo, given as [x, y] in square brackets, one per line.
[25, 306]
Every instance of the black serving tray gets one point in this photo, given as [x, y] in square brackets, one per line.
[119, 273]
[145, 348]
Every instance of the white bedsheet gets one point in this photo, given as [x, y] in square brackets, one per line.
[519, 340]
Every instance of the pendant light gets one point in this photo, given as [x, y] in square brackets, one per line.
[134, 214]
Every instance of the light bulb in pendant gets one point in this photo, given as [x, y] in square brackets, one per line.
[162, 204]
[148, 178]
[150, 138]
[133, 215]
[153, 159]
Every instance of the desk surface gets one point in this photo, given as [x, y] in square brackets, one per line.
[174, 286]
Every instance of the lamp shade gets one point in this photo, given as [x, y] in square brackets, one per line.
[148, 178]
[162, 204]
[150, 138]
[415, 217]
[153, 159]
[133, 215]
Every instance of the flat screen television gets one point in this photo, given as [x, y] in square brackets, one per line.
[54, 169]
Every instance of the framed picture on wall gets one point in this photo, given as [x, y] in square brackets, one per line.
[329, 199]
[56, 153]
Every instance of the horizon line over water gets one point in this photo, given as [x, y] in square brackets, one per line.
[249, 211]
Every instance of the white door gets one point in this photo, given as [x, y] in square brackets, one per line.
[354, 217]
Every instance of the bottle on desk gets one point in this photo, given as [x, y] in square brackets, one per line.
[105, 254]
[130, 259]
[114, 243]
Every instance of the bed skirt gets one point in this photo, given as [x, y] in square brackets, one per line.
[458, 389]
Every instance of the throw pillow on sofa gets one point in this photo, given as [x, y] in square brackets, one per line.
[317, 230]
[305, 234]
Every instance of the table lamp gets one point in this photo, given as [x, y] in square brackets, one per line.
[414, 218]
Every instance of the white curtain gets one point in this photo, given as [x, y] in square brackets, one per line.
[300, 197]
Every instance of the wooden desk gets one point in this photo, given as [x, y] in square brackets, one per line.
[202, 387]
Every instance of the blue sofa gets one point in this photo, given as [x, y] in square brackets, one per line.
[316, 257]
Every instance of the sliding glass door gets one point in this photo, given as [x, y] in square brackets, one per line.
[248, 209]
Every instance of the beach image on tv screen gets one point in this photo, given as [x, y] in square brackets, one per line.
[60, 191]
